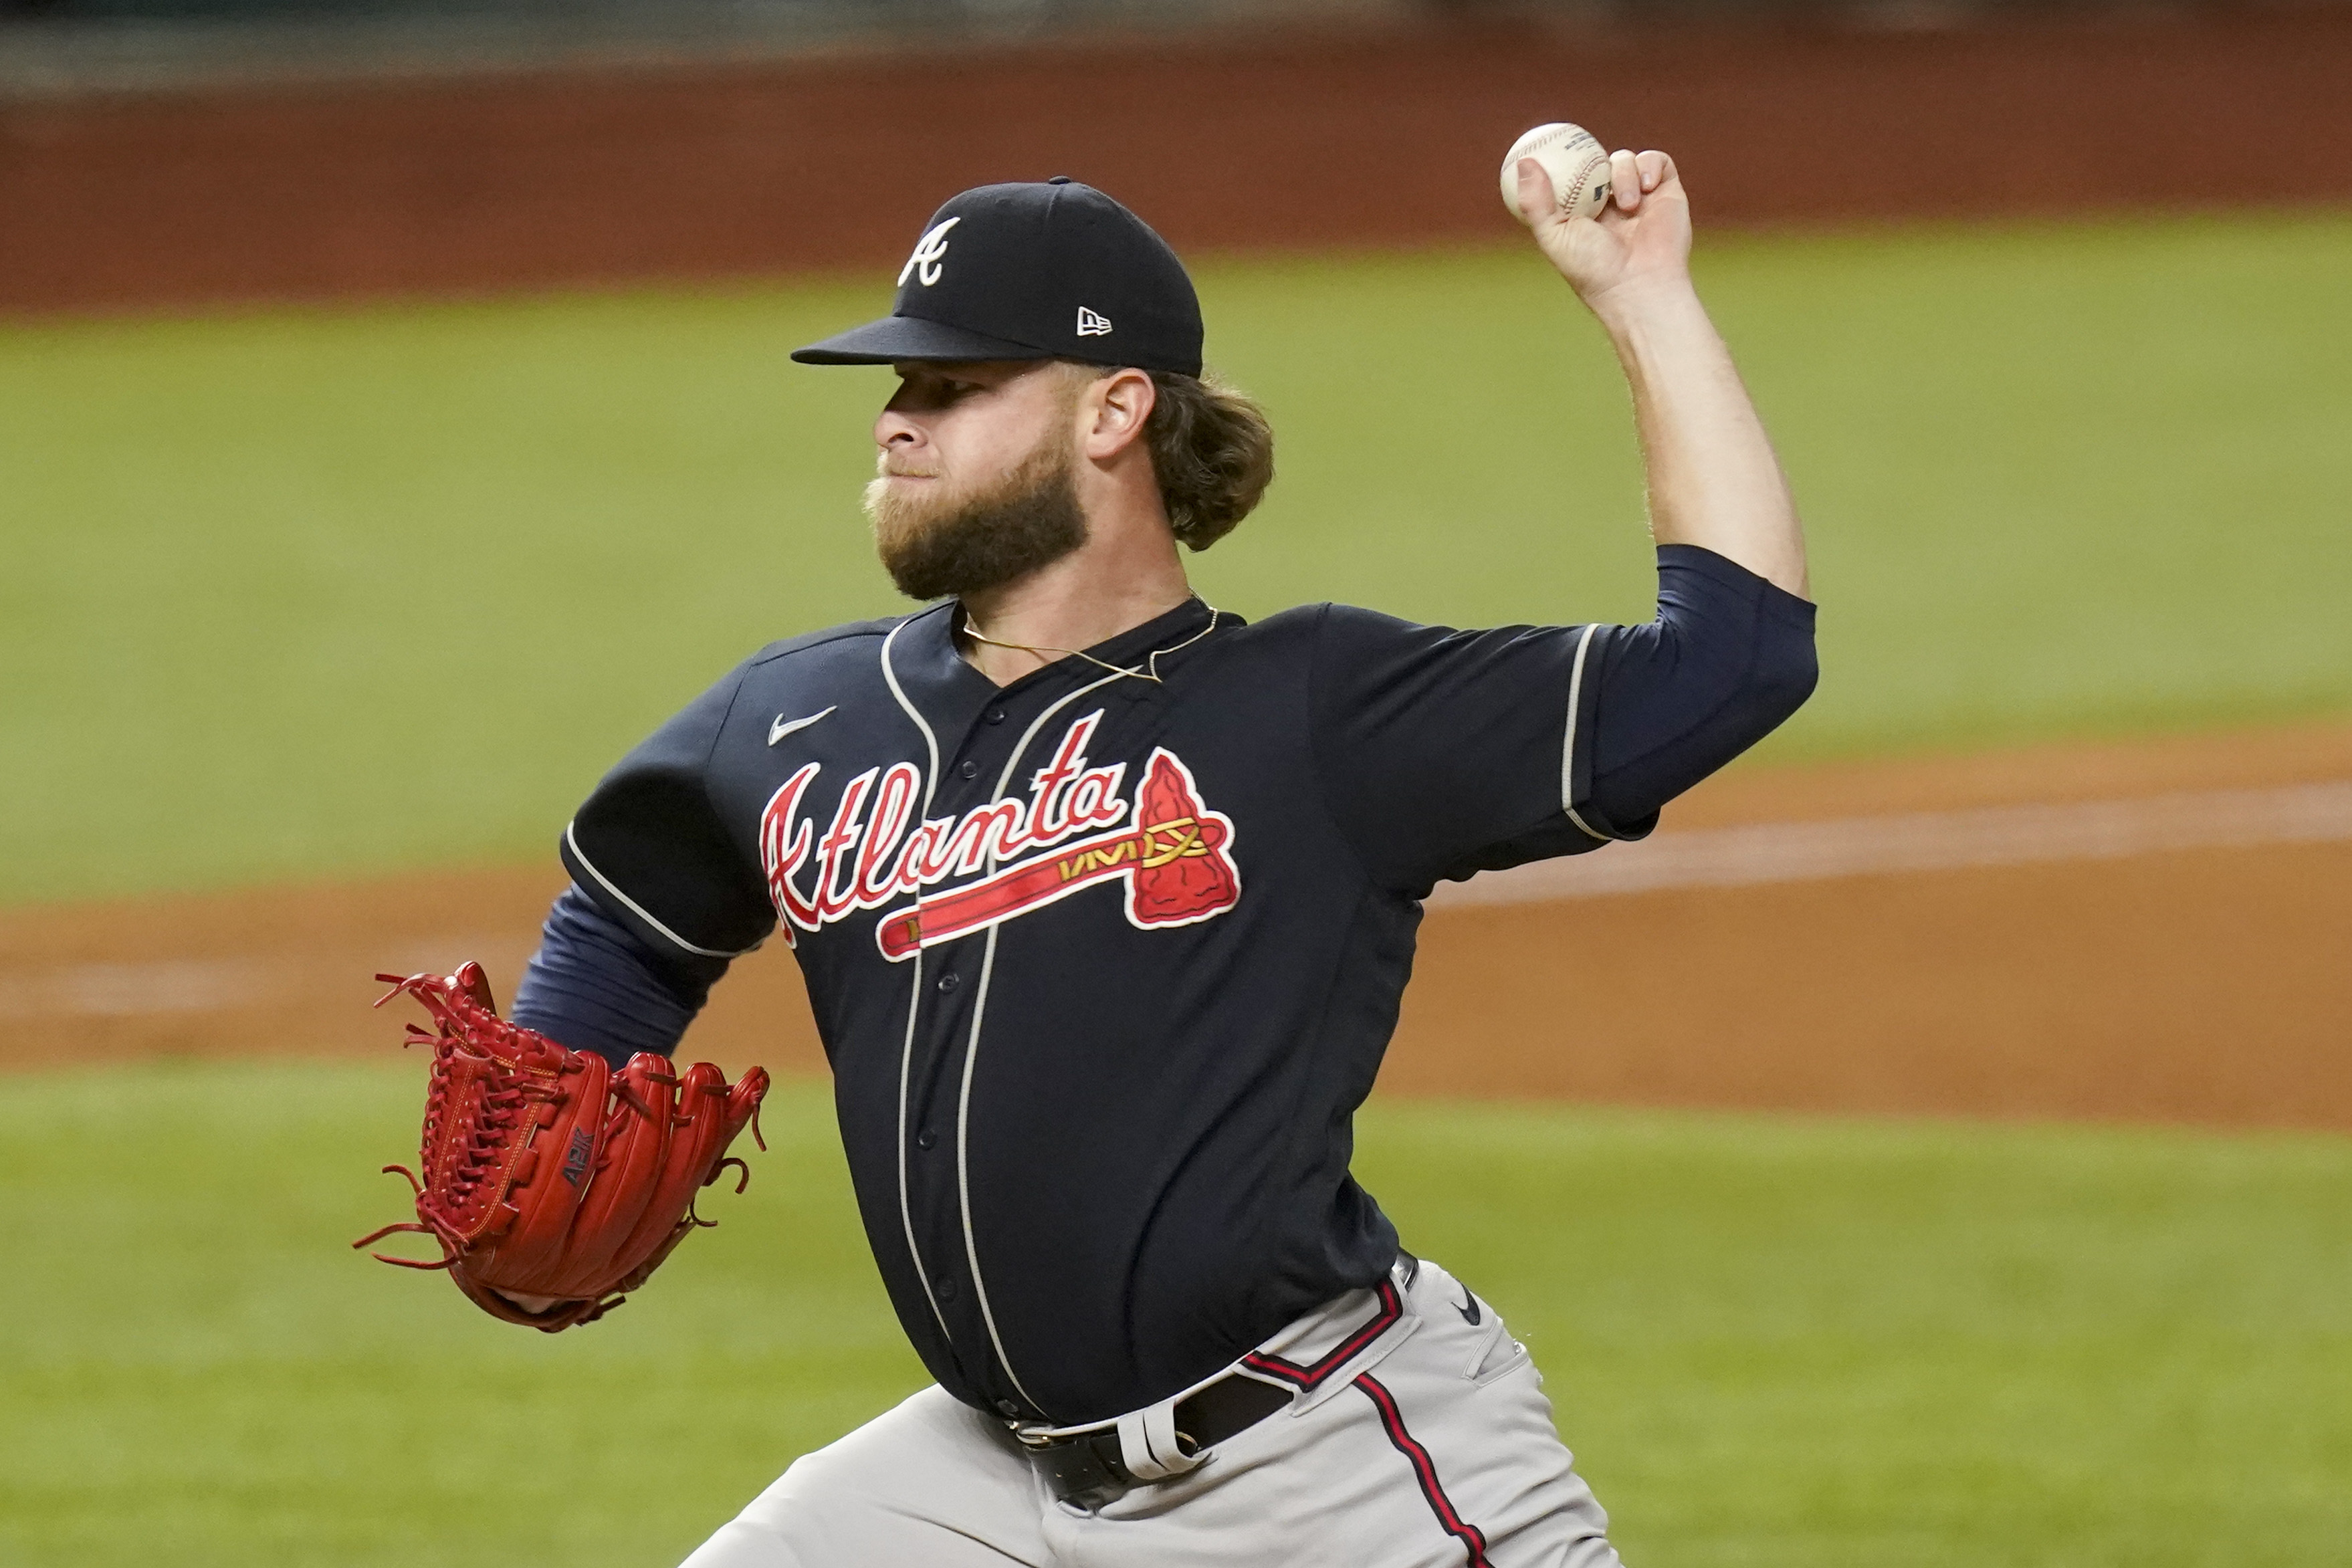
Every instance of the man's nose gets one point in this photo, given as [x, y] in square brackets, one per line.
[894, 431]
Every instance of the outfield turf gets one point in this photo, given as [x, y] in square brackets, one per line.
[1815, 1343]
[310, 592]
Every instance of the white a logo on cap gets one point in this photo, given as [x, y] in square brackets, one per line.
[929, 251]
[1091, 325]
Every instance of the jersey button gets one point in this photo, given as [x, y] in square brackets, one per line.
[948, 982]
[926, 1139]
[996, 716]
[946, 1291]
[1008, 1407]
[970, 769]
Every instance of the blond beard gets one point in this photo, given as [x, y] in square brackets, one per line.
[939, 543]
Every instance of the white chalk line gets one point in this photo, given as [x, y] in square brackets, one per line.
[168, 985]
[1707, 857]
[1925, 840]
[133, 989]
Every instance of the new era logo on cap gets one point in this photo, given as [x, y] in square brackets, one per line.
[1038, 271]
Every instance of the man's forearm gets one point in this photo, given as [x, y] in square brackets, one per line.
[1713, 480]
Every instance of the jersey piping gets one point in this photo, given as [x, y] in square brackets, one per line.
[640, 911]
[1568, 748]
[914, 992]
[972, 1045]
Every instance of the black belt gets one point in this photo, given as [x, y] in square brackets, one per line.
[1085, 1470]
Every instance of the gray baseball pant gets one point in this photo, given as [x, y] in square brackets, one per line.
[1432, 1446]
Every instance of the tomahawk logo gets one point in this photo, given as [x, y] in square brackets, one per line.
[1091, 325]
[929, 252]
[1172, 854]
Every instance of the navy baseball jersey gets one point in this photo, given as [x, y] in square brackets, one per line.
[1105, 959]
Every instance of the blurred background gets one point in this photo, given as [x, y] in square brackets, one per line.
[1930, 1148]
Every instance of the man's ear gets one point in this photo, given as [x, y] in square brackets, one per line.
[1116, 406]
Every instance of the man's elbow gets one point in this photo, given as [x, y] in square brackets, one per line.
[1781, 674]
[1785, 672]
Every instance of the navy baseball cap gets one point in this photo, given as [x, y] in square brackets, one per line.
[1050, 270]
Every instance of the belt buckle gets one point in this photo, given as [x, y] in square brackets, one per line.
[1079, 1471]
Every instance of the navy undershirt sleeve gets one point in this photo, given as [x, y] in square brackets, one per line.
[594, 985]
[1730, 657]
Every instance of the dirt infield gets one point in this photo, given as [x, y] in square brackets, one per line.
[2178, 979]
[1284, 140]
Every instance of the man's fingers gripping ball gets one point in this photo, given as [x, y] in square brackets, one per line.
[1634, 176]
[555, 1185]
[1567, 159]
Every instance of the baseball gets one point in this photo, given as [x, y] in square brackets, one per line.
[1578, 163]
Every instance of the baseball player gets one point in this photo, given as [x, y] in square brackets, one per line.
[1105, 899]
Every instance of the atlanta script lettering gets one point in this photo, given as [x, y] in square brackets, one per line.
[1172, 851]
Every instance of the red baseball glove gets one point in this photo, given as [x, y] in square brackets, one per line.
[545, 1175]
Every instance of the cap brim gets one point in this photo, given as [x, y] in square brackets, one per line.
[896, 338]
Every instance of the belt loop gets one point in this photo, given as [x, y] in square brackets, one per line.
[1148, 1444]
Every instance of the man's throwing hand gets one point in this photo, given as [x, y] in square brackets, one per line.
[1642, 237]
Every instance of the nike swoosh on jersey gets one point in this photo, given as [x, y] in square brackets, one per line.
[1468, 1307]
[783, 726]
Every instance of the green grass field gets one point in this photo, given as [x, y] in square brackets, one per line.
[306, 592]
[1772, 1342]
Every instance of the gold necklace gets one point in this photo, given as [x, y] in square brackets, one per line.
[1151, 671]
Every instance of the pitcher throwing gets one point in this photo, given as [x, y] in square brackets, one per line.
[1106, 900]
